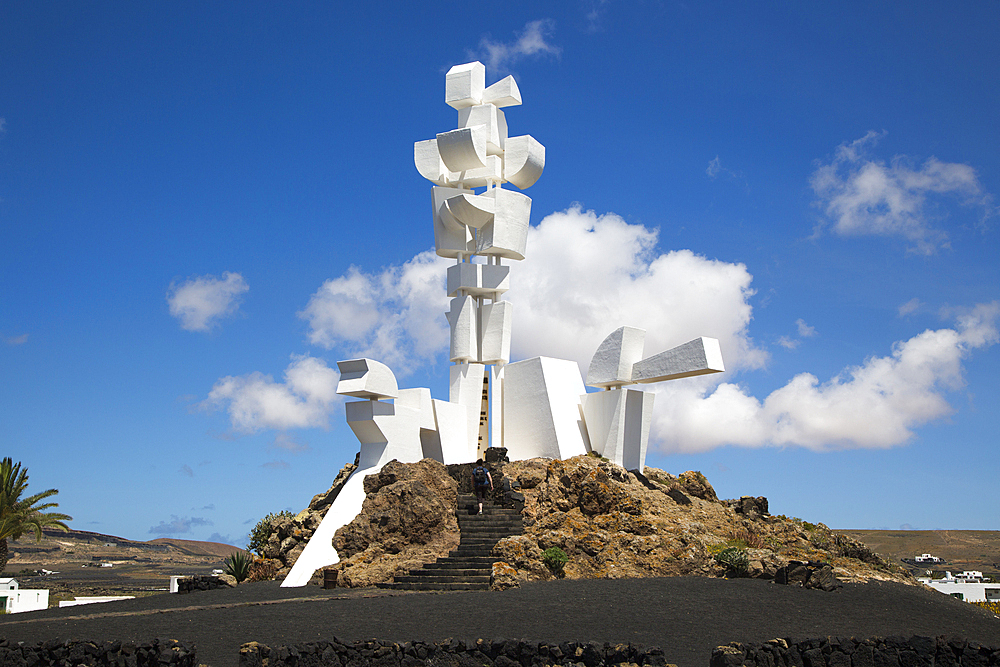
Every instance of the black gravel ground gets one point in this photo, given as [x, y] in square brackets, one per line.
[686, 616]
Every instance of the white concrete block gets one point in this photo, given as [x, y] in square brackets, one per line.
[451, 238]
[453, 433]
[471, 210]
[464, 321]
[464, 85]
[479, 178]
[490, 117]
[419, 399]
[495, 324]
[503, 93]
[466, 389]
[618, 425]
[428, 162]
[464, 148]
[615, 356]
[496, 406]
[700, 356]
[507, 235]
[478, 279]
[524, 161]
[541, 409]
[366, 378]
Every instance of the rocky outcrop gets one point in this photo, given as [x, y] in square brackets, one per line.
[289, 535]
[407, 519]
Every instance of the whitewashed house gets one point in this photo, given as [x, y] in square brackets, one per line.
[926, 558]
[14, 600]
[970, 586]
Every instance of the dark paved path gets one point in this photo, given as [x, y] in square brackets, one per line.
[686, 616]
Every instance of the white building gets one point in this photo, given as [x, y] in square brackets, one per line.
[14, 600]
[970, 586]
[926, 558]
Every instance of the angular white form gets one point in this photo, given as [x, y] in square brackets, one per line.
[541, 409]
[489, 117]
[494, 328]
[419, 398]
[464, 329]
[366, 378]
[507, 234]
[466, 389]
[615, 356]
[478, 279]
[618, 425]
[524, 161]
[464, 85]
[496, 406]
[471, 210]
[700, 356]
[451, 238]
[465, 148]
[453, 433]
[492, 173]
[429, 164]
[503, 93]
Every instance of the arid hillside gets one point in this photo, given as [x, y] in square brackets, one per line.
[960, 549]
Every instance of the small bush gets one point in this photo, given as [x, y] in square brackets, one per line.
[748, 537]
[555, 559]
[237, 565]
[735, 560]
[262, 531]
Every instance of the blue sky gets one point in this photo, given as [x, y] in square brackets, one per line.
[203, 208]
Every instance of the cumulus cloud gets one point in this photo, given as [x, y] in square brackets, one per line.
[255, 401]
[864, 196]
[805, 330]
[395, 316]
[178, 525]
[199, 303]
[874, 405]
[788, 343]
[532, 41]
[909, 307]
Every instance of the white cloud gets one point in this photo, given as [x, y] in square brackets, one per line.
[788, 343]
[178, 525]
[874, 405]
[395, 316]
[200, 302]
[255, 401]
[276, 465]
[532, 41]
[289, 444]
[909, 307]
[863, 196]
[805, 330]
[16, 340]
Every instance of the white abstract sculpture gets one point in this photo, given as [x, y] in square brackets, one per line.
[536, 407]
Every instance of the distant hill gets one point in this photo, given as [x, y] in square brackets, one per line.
[961, 549]
[194, 548]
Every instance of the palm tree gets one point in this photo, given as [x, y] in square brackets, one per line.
[20, 515]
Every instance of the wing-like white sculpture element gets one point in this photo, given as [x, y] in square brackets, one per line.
[366, 378]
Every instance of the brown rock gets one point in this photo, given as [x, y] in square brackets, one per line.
[693, 483]
[503, 577]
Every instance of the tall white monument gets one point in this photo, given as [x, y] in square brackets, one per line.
[535, 407]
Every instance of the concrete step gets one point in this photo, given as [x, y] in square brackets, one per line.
[424, 586]
[451, 572]
[433, 579]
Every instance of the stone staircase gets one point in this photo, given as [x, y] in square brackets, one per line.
[468, 567]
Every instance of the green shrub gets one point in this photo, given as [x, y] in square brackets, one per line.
[734, 560]
[237, 565]
[262, 531]
[555, 559]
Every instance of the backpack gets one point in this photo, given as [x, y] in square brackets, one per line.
[479, 475]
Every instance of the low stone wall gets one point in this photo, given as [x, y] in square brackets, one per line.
[875, 652]
[201, 582]
[497, 652]
[158, 653]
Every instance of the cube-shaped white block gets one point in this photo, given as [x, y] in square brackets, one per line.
[541, 409]
[700, 356]
[464, 85]
[524, 161]
[503, 93]
[366, 378]
[471, 210]
[464, 148]
[451, 238]
[419, 399]
[494, 332]
[386, 432]
[478, 279]
[612, 363]
[492, 119]
[453, 433]
[464, 329]
[618, 425]
[466, 389]
[507, 234]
